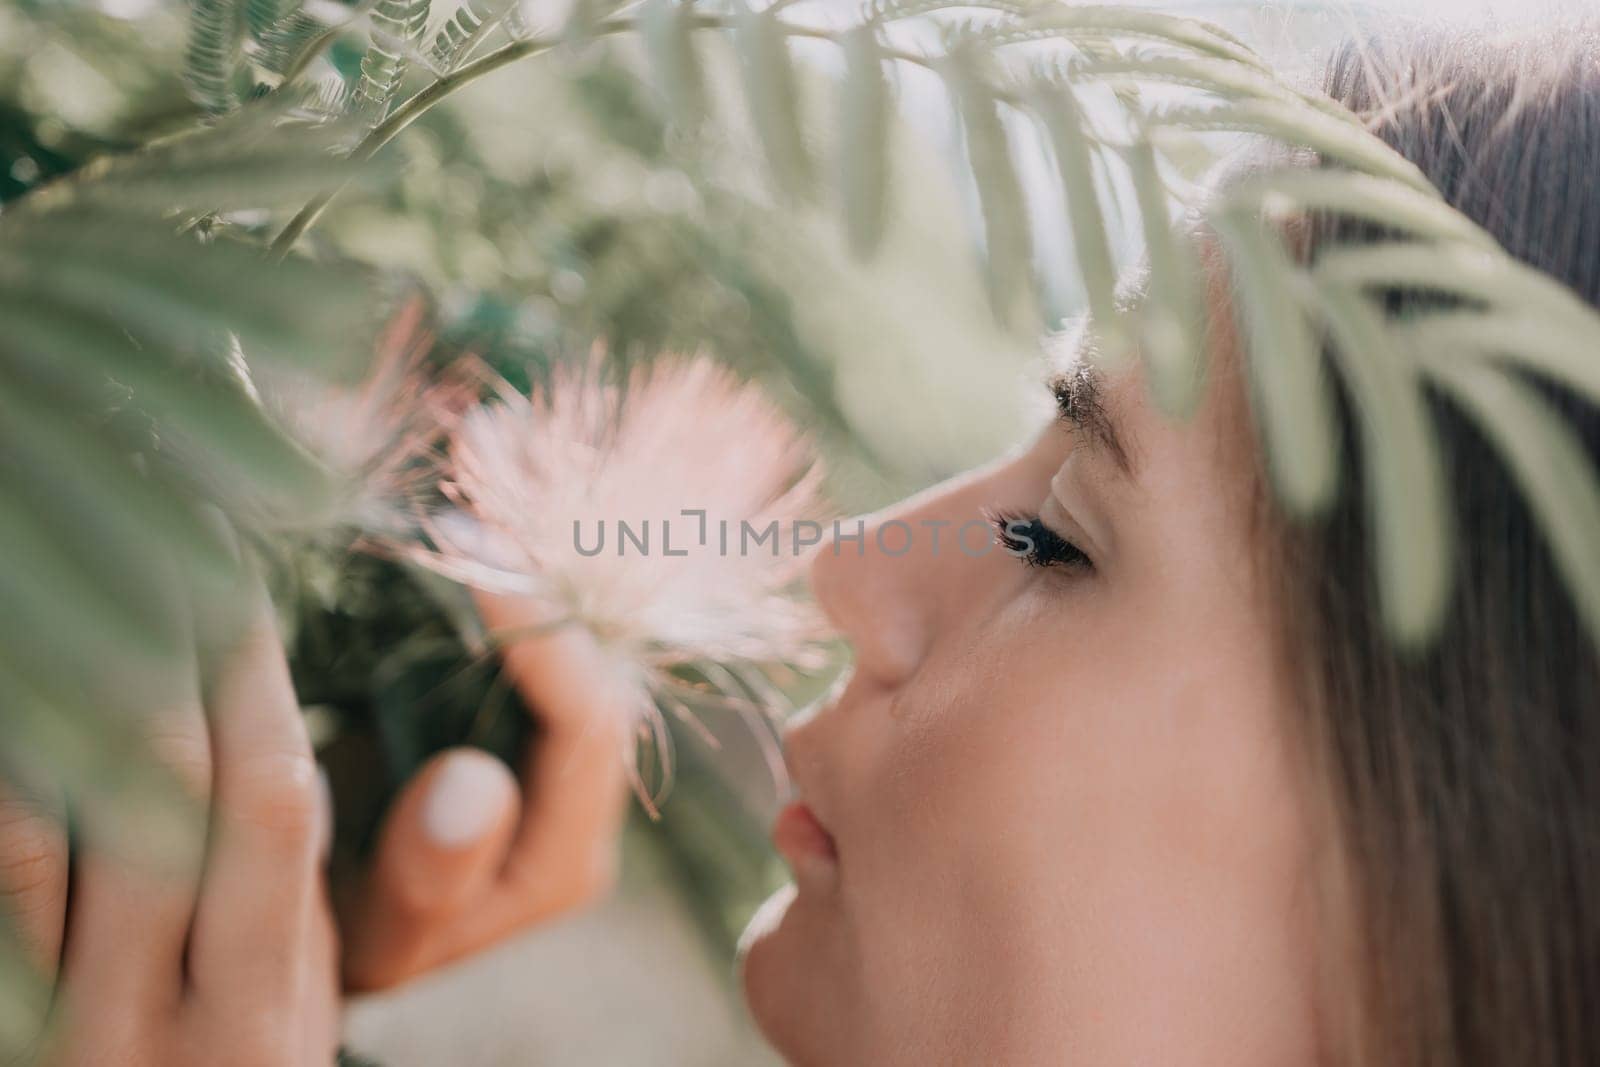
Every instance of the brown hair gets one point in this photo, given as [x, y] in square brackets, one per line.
[1466, 776]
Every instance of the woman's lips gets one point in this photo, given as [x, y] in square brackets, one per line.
[802, 841]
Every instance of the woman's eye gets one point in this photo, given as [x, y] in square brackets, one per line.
[1027, 538]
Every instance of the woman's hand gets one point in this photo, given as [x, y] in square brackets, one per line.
[469, 855]
[222, 948]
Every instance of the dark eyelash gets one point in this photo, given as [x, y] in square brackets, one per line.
[1030, 540]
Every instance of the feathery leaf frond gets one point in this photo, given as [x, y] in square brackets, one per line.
[470, 24]
[216, 40]
[397, 30]
[773, 94]
[865, 131]
[668, 34]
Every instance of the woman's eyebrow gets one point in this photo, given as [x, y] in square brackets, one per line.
[1079, 395]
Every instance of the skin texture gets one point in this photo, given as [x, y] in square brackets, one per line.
[1070, 817]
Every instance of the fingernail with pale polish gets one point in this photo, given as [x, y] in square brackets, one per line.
[466, 796]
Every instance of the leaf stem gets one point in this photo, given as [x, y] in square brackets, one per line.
[399, 119]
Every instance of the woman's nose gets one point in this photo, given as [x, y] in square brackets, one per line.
[865, 594]
[885, 578]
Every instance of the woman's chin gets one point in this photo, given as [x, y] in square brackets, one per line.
[766, 963]
[777, 967]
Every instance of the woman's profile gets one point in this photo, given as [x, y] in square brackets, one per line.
[1167, 793]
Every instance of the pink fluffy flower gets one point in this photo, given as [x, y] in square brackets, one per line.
[669, 515]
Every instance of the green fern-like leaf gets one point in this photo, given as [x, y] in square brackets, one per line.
[1074, 159]
[397, 30]
[471, 23]
[1551, 465]
[669, 38]
[262, 15]
[1409, 503]
[1008, 243]
[216, 39]
[864, 140]
[1559, 351]
[1285, 194]
[773, 95]
[284, 48]
[1286, 370]
[1222, 79]
[24, 994]
[216, 425]
[1171, 330]
[253, 158]
[1334, 139]
[158, 284]
[1467, 273]
[72, 559]
[1189, 34]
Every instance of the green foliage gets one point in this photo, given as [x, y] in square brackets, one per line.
[774, 98]
[668, 32]
[262, 15]
[472, 22]
[1171, 330]
[1405, 478]
[397, 29]
[216, 40]
[1006, 231]
[1547, 458]
[1074, 159]
[254, 158]
[283, 48]
[128, 422]
[866, 129]
[26, 997]
[1296, 408]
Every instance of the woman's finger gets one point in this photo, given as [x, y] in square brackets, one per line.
[321, 1004]
[263, 871]
[441, 850]
[136, 874]
[574, 781]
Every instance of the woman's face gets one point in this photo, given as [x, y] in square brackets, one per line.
[1061, 815]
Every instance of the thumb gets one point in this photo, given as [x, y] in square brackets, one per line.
[443, 842]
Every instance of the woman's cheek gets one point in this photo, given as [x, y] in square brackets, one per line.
[965, 777]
